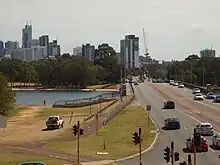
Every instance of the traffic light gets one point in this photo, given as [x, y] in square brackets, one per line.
[183, 163]
[167, 154]
[197, 139]
[176, 156]
[75, 129]
[81, 131]
[136, 138]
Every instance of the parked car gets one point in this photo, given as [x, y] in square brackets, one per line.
[198, 96]
[181, 85]
[216, 140]
[210, 95]
[203, 145]
[205, 128]
[169, 104]
[171, 82]
[217, 99]
[172, 123]
[54, 122]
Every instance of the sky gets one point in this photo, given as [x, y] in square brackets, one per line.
[175, 28]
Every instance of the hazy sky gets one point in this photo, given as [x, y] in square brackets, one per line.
[175, 27]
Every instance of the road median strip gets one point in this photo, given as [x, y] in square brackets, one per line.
[115, 137]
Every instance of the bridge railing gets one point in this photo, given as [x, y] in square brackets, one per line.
[85, 101]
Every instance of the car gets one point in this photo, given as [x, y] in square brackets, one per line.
[205, 128]
[172, 123]
[171, 82]
[175, 84]
[203, 146]
[210, 95]
[216, 140]
[217, 99]
[196, 90]
[135, 83]
[32, 163]
[54, 122]
[169, 104]
[181, 85]
[198, 96]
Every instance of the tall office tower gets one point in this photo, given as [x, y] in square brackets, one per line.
[27, 36]
[129, 51]
[44, 41]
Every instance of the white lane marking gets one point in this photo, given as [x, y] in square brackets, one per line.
[211, 149]
[185, 127]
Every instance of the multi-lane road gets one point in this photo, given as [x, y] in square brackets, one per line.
[188, 111]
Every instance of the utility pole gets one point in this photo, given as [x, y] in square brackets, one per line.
[203, 75]
[97, 121]
[189, 160]
[78, 124]
[172, 153]
[194, 146]
[140, 145]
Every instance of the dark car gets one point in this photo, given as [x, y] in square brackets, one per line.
[210, 95]
[217, 99]
[32, 163]
[171, 123]
[169, 104]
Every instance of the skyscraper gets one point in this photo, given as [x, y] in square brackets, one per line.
[27, 36]
[129, 51]
[88, 51]
[44, 41]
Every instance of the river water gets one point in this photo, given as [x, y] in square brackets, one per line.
[38, 97]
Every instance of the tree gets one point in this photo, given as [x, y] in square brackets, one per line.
[7, 97]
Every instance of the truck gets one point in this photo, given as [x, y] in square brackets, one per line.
[54, 122]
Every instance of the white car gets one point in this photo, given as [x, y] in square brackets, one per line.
[175, 84]
[54, 122]
[216, 140]
[198, 96]
[181, 86]
[196, 90]
[205, 128]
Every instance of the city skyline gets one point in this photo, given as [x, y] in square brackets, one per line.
[175, 29]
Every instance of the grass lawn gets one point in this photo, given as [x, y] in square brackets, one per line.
[117, 135]
[14, 158]
[45, 112]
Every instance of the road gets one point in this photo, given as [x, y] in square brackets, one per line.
[187, 111]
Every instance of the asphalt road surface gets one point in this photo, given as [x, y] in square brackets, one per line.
[189, 113]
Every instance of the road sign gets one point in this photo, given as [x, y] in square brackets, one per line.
[148, 107]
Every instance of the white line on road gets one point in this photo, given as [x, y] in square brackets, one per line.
[185, 127]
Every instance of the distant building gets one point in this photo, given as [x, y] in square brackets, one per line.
[10, 46]
[44, 41]
[54, 49]
[118, 55]
[29, 54]
[34, 42]
[2, 49]
[207, 53]
[77, 51]
[88, 51]
[129, 49]
[27, 36]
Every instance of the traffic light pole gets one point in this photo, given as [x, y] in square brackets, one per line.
[194, 148]
[140, 146]
[78, 124]
[172, 153]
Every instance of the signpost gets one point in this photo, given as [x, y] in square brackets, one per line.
[148, 113]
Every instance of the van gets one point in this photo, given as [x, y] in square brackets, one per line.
[205, 129]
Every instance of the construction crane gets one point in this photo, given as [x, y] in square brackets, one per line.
[145, 45]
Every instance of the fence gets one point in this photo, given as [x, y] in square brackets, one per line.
[86, 101]
[119, 107]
